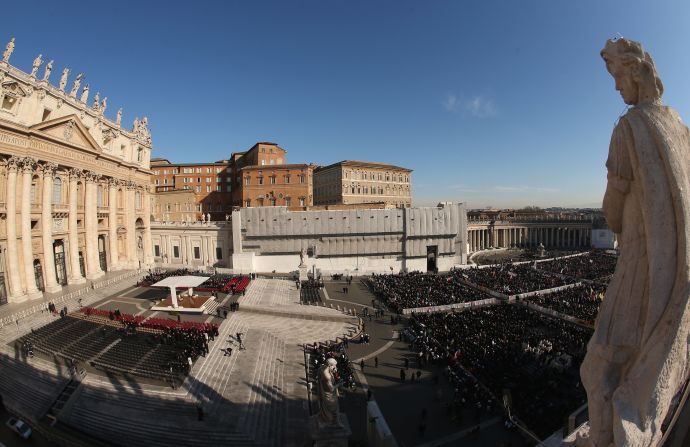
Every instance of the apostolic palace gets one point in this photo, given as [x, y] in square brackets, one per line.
[74, 183]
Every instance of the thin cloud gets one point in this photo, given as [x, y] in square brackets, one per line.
[480, 107]
[477, 106]
[450, 103]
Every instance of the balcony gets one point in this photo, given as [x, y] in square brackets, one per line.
[60, 208]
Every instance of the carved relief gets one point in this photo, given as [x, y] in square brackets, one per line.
[92, 177]
[28, 164]
[69, 130]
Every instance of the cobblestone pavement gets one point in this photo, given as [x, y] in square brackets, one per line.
[402, 402]
[256, 396]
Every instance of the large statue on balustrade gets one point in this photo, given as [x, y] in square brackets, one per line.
[328, 394]
[637, 359]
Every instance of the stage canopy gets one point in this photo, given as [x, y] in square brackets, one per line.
[179, 282]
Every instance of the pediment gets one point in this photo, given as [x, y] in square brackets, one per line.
[15, 88]
[69, 128]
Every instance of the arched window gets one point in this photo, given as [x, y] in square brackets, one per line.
[138, 200]
[57, 190]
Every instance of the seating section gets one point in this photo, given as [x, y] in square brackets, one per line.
[214, 283]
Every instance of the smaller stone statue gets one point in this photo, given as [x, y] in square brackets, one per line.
[63, 79]
[104, 105]
[118, 119]
[227, 217]
[36, 65]
[135, 125]
[49, 68]
[328, 394]
[302, 255]
[85, 94]
[76, 85]
[96, 101]
[9, 49]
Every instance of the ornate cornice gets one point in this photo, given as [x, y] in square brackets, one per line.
[92, 177]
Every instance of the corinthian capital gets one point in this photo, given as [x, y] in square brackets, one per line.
[49, 168]
[76, 173]
[92, 177]
[28, 164]
[13, 163]
[113, 182]
[131, 185]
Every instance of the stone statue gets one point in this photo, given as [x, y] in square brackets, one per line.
[302, 255]
[135, 125]
[36, 65]
[84, 94]
[75, 86]
[96, 101]
[118, 119]
[49, 68]
[9, 49]
[63, 79]
[104, 105]
[328, 394]
[637, 359]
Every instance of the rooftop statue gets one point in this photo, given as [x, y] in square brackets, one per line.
[75, 86]
[637, 359]
[9, 49]
[118, 120]
[84, 94]
[63, 79]
[36, 65]
[49, 68]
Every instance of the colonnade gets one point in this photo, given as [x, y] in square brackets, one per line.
[24, 258]
[557, 236]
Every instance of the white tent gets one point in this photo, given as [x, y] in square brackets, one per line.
[181, 282]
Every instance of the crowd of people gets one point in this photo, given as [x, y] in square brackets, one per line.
[344, 374]
[309, 291]
[511, 279]
[409, 290]
[509, 349]
[189, 344]
[580, 302]
[162, 324]
[597, 265]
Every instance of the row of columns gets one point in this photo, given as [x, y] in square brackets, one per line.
[481, 239]
[207, 249]
[22, 281]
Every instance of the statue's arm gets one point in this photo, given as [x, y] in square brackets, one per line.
[619, 175]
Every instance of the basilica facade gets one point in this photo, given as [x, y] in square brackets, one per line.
[74, 184]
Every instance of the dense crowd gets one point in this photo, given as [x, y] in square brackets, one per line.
[319, 354]
[309, 291]
[189, 345]
[416, 289]
[507, 347]
[595, 266]
[511, 279]
[580, 302]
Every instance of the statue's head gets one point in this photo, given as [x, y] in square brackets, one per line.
[332, 364]
[633, 69]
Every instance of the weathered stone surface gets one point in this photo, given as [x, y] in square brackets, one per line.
[637, 359]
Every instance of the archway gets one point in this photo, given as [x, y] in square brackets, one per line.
[102, 254]
[38, 274]
[140, 227]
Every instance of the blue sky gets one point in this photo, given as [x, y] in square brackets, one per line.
[493, 103]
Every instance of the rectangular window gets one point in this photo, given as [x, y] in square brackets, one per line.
[219, 188]
[248, 203]
[208, 179]
[198, 170]
[287, 179]
[301, 201]
[197, 189]
[301, 178]
[156, 250]
[219, 252]
[197, 253]
[228, 179]
[209, 170]
[198, 179]
[208, 188]
[247, 180]
[176, 251]
[273, 202]
[273, 179]
[288, 201]
[260, 180]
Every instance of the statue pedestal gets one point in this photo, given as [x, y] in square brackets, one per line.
[303, 270]
[330, 435]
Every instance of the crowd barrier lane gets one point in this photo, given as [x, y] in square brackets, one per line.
[447, 307]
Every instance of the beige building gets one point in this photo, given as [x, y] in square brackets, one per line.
[350, 181]
[73, 185]
[177, 205]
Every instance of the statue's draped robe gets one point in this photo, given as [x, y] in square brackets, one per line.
[643, 321]
[328, 398]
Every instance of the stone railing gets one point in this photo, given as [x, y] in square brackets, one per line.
[60, 208]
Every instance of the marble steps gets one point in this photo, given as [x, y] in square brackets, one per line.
[27, 389]
[132, 401]
[264, 407]
[154, 430]
[296, 406]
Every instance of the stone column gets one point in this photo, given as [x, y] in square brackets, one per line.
[17, 294]
[113, 184]
[130, 225]
[75, 272]
[51, 284]
[148, 245]
[93, 267]
[28, 164]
